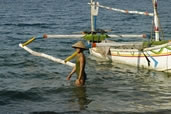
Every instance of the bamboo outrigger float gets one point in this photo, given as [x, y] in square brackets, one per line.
[154, 54]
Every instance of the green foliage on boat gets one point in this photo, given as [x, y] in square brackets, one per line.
[153, 43]
[95, 37]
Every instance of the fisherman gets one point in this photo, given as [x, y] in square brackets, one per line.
[79, 68]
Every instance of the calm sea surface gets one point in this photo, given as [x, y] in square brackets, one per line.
[33, 85]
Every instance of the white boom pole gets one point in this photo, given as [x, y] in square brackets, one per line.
[64, 36]
[110, 35]
[47, 56]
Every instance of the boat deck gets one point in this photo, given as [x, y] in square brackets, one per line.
[126, 45]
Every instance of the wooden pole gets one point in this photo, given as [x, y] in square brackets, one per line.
[92, 17]
[156, 21]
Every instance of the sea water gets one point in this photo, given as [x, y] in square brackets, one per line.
[34, 85]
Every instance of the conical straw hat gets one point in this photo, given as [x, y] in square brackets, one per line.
[79, 44]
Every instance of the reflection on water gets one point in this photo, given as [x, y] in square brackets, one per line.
[131, 89]
[81, 97]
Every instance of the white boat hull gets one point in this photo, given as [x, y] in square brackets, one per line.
[157, 58]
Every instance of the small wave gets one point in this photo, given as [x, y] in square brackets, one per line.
[27, 24]
[51, 112]
[55, 90]
[9, 95]
[5, 32]
[3, 102]
[101, 112]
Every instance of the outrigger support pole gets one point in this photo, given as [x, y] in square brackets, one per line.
[110, 35]
[123, 11]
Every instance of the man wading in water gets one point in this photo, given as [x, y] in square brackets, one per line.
[80, 64]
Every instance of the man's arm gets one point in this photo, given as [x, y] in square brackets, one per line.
[71, 73]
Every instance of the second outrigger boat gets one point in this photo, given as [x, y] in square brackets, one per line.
[153, 54]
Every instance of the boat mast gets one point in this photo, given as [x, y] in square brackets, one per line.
[94, 13]
[156, 21]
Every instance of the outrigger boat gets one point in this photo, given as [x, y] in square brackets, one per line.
[153, 54]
